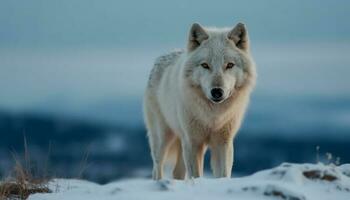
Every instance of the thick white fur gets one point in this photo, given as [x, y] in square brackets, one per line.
[178, 108]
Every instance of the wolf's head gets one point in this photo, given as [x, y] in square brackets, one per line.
[218, 61]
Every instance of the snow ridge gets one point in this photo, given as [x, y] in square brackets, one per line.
[287, 182]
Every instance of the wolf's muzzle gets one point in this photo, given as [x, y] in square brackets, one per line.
[217, 94]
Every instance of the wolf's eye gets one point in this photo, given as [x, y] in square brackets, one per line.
[230, 65]
[205, 65]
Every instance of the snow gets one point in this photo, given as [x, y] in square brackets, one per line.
[287, 181]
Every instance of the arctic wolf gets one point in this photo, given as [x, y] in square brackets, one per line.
[196, 98]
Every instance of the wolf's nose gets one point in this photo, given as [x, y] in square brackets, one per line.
[217, 94]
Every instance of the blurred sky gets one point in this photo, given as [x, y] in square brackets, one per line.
[84, 56]
[39, 23]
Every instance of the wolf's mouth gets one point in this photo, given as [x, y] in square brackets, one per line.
[217, 100]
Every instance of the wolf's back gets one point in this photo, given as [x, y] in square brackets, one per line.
[161, 63]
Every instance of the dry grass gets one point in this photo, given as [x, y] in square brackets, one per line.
[327, 159]
[25, 180]
[22, 181]
[321, 175]
[15, 190]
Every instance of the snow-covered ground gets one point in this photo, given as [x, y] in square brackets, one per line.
[287, 181]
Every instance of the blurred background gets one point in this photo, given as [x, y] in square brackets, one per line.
[73, 73]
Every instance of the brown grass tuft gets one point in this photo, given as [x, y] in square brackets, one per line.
[15, 190]
[317, 174]
[22, 182]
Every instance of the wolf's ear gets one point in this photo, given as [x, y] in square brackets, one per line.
[196, 37]
[239, 35]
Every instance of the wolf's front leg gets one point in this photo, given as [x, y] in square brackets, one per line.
[193, 155]
[222, 159]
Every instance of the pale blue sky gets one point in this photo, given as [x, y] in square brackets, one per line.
[92, 58]
[40, 23]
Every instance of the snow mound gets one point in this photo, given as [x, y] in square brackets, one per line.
[286, 182]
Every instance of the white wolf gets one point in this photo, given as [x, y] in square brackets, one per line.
[197, 98]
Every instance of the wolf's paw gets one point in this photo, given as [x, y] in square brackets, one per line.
[164, 185]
